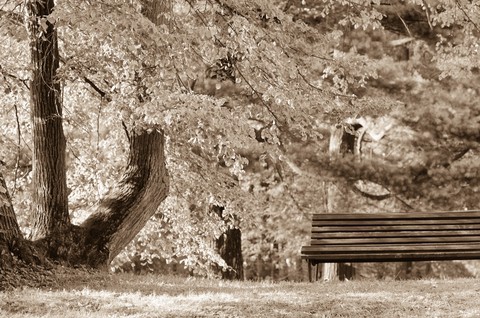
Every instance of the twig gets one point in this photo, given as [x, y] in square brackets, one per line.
[95, 87]
[405, 25]
[19, 139]
[427, 12]
[259, 95]
[456, 156]
[376, 197]
[308, 83]
[405, 203]
[358, 148]
[23, 81]
[468, 17]
[125, 128]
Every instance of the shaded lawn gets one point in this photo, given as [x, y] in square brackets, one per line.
[125, 295]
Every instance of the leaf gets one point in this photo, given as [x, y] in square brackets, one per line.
[43, 24]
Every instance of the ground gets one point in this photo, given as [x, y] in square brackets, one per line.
[83, 293]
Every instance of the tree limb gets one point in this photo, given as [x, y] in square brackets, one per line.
[375, 197]
[132, 202]
[94, 86]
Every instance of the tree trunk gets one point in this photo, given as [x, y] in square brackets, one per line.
[50, 206]
[123, 212]
[128, 207]
[143, 187]
[229, 246]
[341, 142]
[330, 270]
[9, 229]
[11, 238]
[157, 11]
[120, 216]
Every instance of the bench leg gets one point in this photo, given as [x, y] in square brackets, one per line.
[309, 271]
[314, 274]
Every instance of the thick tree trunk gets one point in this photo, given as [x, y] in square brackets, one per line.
[9, 229]
[11, 238]
[50, 206]
[49, 174]
[341, 142]
[123, 212]
[329, 270]
[157, 11]
[143, 187]
[229, 246]
[119, 217]
[128, 207]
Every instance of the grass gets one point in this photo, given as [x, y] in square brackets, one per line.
[126, 295]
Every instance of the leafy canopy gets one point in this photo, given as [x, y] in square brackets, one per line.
[246, 92]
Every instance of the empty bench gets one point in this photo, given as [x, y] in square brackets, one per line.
[393, 237]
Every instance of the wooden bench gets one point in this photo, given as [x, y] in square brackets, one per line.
[393, 237]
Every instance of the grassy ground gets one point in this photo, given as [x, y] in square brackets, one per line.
[102, 295]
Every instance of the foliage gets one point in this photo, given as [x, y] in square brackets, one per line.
[246, 92]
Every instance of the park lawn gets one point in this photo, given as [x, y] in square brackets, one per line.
[126, 295]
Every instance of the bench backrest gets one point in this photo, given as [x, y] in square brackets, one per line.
[382, 237]
[377, 228]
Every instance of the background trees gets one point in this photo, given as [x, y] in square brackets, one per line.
[245, 93]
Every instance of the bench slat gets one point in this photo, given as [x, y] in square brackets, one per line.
[390, 215]
[393, 257]
[397, 240]
[351, 222]
[384, 228]
[445, 233]
[366, 248]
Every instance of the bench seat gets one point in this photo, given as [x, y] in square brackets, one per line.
[393, 237]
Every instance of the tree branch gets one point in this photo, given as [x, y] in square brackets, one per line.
[131, 203]
[466, 15]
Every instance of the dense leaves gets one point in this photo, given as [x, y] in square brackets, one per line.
[246, 92]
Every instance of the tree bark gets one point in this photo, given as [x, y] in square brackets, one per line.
[157, 11]
[50, 205]
[229, 246]
[128, 207]
[329, 270]
[9, 229]
[11, 238]
[123, 212]
[143, 187]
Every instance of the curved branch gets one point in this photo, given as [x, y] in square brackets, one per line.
[128, 207]
[466, 15]
[376, 197]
